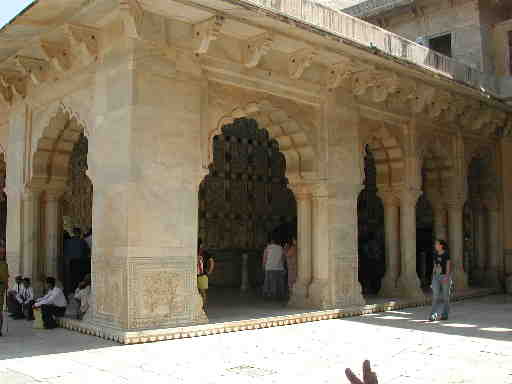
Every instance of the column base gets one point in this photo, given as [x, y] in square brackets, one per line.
[409, 287]
[389, 287]
[478, 276]
[319, 295]
[492, 278]
[350, 298]
[508, 284]
[460, 280]
[299, 297]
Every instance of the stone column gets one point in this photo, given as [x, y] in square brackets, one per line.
[391, 204]
[492, 277]
[31, 230]
[52, 232]
[481, 243]
[300, 295]
[456, 246]
[440, 221]
[408, 282]
[319, 289]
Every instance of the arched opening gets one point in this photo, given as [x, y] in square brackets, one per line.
[76, 219]
[243, 200]
[65, 203]
[370, 219]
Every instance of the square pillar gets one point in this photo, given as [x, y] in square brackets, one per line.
[145, 203]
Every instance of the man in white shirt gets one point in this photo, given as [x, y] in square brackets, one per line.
[273, 264]
[25, 298]
[52, 305]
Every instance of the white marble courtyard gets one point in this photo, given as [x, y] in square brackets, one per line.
[474, 346]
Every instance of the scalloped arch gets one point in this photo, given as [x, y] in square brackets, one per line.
[291, 136]
[53, 146]
[388, 154]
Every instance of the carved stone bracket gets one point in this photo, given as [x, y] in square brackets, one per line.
[84, 40]
[343, 71]
[205, 32]
[15, 84]
[385, 83]
[298, 61]
[439, 103]
[424, 96]
[256, 48]
[58, 55]
[35, 69]
[142, 24]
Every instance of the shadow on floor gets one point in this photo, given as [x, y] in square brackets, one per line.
[487, 317]
[22, 340]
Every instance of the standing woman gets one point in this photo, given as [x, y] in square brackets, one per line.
[291, 262]
[441, 279]
[205, 266]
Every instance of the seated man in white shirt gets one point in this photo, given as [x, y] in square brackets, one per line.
[13, 307]
[25, 298]
[52, 305]
[82, 294]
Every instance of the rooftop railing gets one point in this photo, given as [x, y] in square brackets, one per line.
[371, 36]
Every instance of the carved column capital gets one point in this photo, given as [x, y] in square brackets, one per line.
[389, 197]
[301, 191]
[35, 69]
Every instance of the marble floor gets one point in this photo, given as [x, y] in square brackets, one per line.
[474, 346]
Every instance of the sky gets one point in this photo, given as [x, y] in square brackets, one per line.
[10, 8]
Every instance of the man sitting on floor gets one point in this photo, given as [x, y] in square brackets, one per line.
[52, 305]
[13, 306]
[26, 299]
[82, 294]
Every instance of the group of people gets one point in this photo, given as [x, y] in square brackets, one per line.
[280, 267]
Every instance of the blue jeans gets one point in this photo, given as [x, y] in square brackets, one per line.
[440, 296]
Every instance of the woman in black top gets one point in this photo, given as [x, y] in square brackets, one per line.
[441, 279]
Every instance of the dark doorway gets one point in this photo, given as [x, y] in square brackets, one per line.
[242, 201]
[370, 216]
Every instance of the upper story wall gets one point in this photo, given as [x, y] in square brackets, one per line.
[475, 35]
